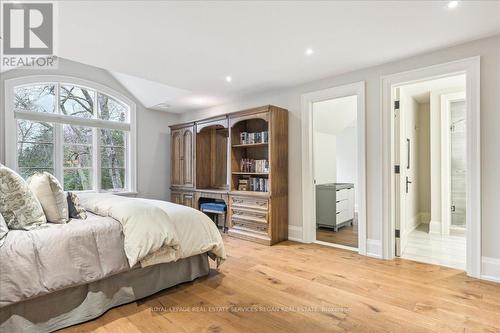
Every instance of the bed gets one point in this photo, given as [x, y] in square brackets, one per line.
[127, 249]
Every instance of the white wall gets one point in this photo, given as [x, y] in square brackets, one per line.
[324, 158]
[153, 134]
[488, 49]
[347, 158]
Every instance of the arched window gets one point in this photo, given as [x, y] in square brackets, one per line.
[81, 132]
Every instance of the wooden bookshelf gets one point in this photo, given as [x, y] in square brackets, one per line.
[206, 164]
[258, 215]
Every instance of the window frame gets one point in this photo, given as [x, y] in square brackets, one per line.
[130, 127]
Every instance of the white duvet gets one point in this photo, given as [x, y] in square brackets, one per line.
[158, 231]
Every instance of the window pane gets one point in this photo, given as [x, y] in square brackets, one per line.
[112, 179]
[77, 156]
[112, 138]
[77, 179]
[77, 101]
[112, 157]
[38, 98]
[77, 134]
[111, 109]
[39, 155]
[27, 172]
[30, 131]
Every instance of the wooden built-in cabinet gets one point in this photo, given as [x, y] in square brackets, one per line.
[210, 161]
[183, 139]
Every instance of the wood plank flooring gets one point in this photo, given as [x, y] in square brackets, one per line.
[347, 235]
[312, 288]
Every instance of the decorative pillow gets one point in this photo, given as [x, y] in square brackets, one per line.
[75, 210]
[51, 196]
[18, 204]
[4, 230]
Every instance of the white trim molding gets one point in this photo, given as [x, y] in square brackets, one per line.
[374, 248]
[471, 68]
[490, 269]
[308, 192]
[129, 126]
[295, 233]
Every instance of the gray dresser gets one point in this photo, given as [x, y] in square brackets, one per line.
[334, 205]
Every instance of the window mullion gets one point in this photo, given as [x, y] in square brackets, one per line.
[96, 156]
[58, 143]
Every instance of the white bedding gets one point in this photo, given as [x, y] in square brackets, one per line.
[158, 231]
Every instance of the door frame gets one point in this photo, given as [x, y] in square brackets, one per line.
[471, 68]
[308, 192]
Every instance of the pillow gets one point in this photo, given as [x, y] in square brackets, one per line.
[3, 230]
[18, 204]
[51, 196]
[75, 210]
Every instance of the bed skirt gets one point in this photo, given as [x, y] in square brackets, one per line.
[75, 305]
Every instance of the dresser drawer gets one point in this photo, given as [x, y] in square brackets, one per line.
[249, 203]
[342, 205]
[343, 194]
[343, 216]
[248, 225]
[248, 214]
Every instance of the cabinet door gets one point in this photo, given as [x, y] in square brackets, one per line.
[176, 197]
[177, 150]
[188, 157]
[188, 200]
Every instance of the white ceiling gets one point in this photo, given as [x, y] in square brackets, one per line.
[421, 91]
[334, 115]
[193, 46]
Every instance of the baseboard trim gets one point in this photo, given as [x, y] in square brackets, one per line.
[434, 227]
[374, 248]
[490, 269]
[295, 234]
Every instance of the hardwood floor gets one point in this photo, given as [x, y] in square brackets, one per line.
[347, 235]
[358, 294]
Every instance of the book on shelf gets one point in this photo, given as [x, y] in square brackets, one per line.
[256, 184]
[251, 165]
[247, 138]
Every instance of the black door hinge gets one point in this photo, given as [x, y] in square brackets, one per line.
[396, 105]
[396, 169]
[397, 233]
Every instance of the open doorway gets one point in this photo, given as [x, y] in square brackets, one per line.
[344, 111]
[430, 158]
[335, 170]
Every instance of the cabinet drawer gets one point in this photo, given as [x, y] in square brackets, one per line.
[249, 203]
[342, 205]
[342, 194]
[343, 216]
[238, 223]
[247, 214]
